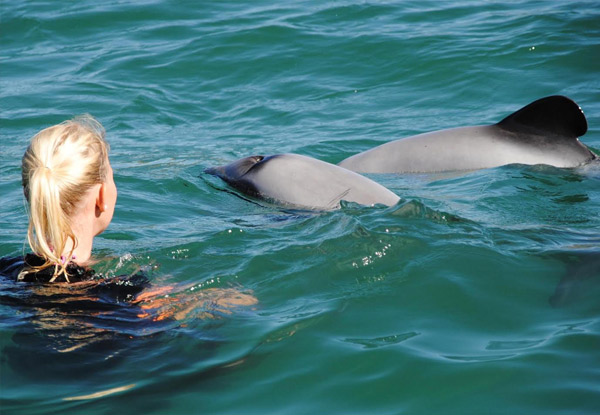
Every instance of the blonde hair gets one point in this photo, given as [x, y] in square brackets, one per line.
[60, 165]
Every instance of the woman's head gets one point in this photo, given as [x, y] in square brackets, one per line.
[61, 166]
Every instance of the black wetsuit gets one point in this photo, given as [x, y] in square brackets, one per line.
[12, 267]
[117, 289]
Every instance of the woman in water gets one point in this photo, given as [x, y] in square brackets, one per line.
[69, 186]
[68, 183]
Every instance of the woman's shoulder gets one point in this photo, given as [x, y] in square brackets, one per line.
[24, 269]
[10, 267]
[121, 288]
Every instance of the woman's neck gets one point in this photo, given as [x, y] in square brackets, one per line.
[83, 228]
[82, 252]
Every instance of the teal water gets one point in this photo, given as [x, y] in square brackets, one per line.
[478, 293]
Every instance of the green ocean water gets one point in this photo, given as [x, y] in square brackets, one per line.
[477, 293]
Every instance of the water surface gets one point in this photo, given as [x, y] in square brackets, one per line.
[477, 293]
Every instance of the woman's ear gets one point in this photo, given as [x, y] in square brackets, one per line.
[100, 205]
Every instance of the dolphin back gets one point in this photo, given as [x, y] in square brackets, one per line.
[544, 132]
[302, 182]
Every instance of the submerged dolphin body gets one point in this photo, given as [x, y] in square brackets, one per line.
[581, 279]
[543, 132]
[302, 182]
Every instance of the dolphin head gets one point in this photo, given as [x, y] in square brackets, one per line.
[235, 170]
[235, 174]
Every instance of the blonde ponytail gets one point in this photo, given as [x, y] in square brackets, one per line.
[61, 164]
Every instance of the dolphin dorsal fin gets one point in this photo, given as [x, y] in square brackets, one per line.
[555, 115]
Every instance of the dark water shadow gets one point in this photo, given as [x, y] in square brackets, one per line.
[581, 280]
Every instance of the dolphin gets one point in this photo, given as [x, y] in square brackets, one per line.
[581, 267]
[302, 182]
[543, 132]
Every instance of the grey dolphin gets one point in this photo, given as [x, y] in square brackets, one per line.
[543, 132]
[302, 182]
